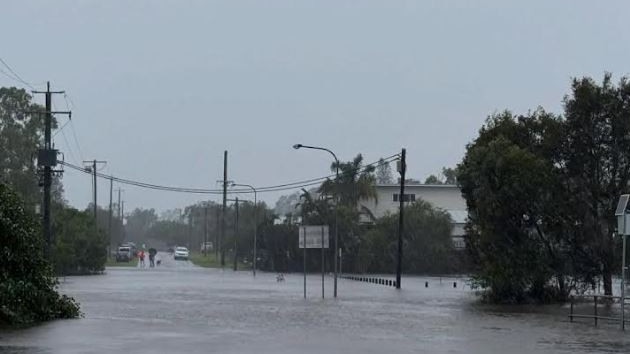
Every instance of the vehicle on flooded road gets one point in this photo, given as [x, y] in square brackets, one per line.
[181, 253]
[124, 254]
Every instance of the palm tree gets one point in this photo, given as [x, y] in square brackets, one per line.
[356, 182]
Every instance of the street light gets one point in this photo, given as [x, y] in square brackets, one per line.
[299, 146]
[255, 219]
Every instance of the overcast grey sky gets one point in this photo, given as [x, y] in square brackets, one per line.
[161, 88]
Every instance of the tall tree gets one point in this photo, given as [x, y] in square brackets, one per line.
[597, 164]
[427, 242]
[384, 172]
[450, 175]
[21, 133]
[433, 179]
[139, 221]
[27, 284]
[571, 171]
[356, 182]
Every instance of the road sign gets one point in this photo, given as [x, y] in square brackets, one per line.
[313, 234]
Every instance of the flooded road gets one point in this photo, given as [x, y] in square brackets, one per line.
[180, 308]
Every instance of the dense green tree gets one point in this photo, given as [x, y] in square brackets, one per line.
[597, 165]
[356, 182]
[541, 192]
[505, 187]
[427, 242]
[79, 247]
[448, 176]
[139, 221]
[433, 179]
[27, 284]
[20, 135]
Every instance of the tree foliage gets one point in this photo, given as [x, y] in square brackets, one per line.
[541, 191]
[79, 248]
[27, 284]
[356, 182]
[384, 172]
[426, 241]
[448, 176]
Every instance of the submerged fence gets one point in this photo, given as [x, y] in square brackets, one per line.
[596, 315]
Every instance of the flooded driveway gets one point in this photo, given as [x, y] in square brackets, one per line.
[180, 308]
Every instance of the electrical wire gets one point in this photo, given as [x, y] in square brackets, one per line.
[68, 145]
[69, 106]
[16, 76]
[277, 188]
[60, 130]
[385, 160]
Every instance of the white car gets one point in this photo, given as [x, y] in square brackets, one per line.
[181, 253]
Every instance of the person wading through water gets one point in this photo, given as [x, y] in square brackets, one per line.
[152, 253]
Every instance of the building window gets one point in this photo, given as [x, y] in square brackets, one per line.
[406, 197]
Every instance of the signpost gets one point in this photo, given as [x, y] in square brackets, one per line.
[314, 236]
[623, 229]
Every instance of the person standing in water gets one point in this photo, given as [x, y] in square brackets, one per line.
[141, 258]
[152, 253]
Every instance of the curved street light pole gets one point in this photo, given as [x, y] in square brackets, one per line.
[336, 250]
[255, 220]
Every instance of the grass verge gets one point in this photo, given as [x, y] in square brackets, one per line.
[210, 261]
[111, 262]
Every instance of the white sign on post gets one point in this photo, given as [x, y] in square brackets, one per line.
[313, 235]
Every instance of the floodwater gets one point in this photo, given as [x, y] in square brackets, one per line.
[180, 308]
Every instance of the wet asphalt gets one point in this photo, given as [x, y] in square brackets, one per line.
[180, 308]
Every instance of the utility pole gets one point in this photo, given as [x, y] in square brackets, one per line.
[205, 230]
[255, 219]
[94, 162]
[47, 159]
[122, 221]
[119, 208]
[402, 168]
[225, 161]
[190, 241]
[236, 238]
[216, 234]
[109, 224]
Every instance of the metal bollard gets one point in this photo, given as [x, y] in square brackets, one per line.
[454, 284]
[426, 284]
[595, 302]
[571, 313]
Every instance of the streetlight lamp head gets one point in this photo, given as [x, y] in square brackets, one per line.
[297, 146]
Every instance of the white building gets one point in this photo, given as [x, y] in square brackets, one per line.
[445, 197]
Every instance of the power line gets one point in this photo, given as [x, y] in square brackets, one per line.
[277, 188]
[17, 77]
[387, 159]
[8, 75]
[76, 141]
[60, 130]
[70, 106]
[68, 145]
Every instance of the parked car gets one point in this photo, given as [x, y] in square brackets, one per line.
[181, 253]
[132, 248]
[124, 254]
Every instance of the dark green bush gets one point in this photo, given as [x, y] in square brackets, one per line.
[27, 283]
